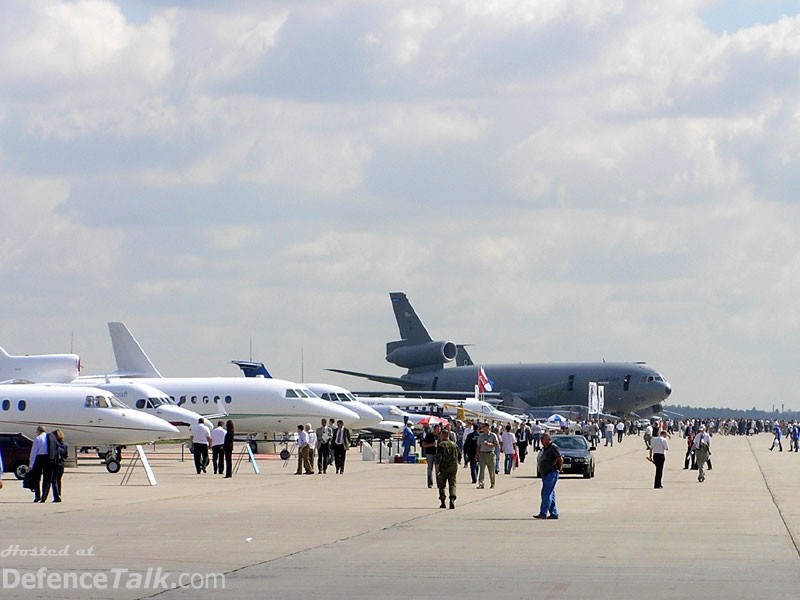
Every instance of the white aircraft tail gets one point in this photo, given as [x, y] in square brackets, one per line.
[131, 359]
[39, 368]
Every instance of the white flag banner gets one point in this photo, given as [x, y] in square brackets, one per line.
[593, 400]
[601, 400]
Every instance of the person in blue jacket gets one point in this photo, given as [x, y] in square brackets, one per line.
[408, 440]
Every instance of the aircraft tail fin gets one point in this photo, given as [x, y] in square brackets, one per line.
[252, 369]
[411, 328]
[462, 356]
[131, 359]
[416, 350]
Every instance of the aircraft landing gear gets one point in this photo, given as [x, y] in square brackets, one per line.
[112, 459]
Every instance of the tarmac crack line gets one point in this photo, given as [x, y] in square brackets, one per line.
[774, 500]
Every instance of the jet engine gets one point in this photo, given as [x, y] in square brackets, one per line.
[420, 355]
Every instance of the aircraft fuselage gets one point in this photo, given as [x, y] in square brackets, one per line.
[627, 386]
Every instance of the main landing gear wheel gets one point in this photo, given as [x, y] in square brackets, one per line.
[285, 454]
[112, 466]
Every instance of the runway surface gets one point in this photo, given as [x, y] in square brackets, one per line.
[377, 532]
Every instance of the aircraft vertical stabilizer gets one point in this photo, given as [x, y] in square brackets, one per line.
[411, 328]
[131, 359]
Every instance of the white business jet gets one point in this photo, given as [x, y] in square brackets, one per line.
[256, 405]
[149, 399]
[368, 417]
[87, 416]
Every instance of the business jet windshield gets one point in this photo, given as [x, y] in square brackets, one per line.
[339, 397]
[104, 402]
[299, 393]
[154, 402]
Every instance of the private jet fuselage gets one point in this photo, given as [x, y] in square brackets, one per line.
[256, 405]
[627, 386]
[87, 416]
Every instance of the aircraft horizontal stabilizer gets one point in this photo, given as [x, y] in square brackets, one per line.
[406, 383]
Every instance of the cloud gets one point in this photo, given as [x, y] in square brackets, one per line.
[552, 181]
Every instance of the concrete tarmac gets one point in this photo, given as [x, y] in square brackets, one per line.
[377, 532]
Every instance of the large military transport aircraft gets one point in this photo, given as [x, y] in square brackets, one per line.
[628, 387]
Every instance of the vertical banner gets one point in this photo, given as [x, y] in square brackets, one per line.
[601, 400]
[593, 402]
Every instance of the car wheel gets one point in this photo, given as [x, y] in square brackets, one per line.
[20, 469]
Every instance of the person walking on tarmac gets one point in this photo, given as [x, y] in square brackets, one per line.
[447, 459]
[550, 465]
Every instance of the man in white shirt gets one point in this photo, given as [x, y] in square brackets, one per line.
[658, 456]
[702, 452]
[312, 444]
[303, 461]
[609, 430]
[39, 463]
[201, 440]
[217, 448]
[509, 442]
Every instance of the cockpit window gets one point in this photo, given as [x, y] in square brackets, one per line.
[117, 403]
[291, 393]
[343, 397]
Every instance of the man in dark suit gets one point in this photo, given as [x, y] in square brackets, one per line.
[341, 442]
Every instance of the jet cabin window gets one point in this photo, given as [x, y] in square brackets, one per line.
[6, 404]
[21, 405]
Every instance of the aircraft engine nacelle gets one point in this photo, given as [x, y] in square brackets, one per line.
[421, 355]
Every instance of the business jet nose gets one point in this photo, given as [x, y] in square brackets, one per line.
[336, 411]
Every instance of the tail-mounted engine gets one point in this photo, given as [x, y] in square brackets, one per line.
[430, 354]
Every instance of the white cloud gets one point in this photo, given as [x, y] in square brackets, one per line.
[551, 180]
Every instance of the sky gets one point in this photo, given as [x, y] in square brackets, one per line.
[549, 180]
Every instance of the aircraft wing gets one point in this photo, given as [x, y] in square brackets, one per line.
[491, 397]
[382, 378]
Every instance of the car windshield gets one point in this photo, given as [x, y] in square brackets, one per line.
[570, 443]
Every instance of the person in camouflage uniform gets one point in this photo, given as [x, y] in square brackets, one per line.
[448, 457]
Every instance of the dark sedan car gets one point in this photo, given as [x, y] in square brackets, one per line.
[16, 449]
[577, 455]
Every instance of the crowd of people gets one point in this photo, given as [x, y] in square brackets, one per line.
[482, 447]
